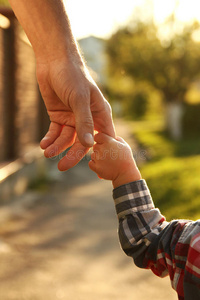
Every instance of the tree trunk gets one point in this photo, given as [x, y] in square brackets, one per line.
[174, 114]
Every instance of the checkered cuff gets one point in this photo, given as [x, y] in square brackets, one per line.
[132, 197]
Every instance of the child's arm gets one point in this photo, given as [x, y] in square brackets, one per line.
[166, 248]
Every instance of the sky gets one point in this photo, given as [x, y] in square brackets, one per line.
[102, 17]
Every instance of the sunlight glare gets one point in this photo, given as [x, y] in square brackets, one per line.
[102, 17]
[188, 10]
[162, 9]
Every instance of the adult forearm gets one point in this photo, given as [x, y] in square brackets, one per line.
[47, 26]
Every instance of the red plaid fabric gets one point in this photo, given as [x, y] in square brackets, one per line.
[167, 248]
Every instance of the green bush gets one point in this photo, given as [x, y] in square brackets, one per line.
[4, 3]
[171, 170]
[138, 105]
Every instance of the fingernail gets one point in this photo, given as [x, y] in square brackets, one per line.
[45, 138]
[89, 139]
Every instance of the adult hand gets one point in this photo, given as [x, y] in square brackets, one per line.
[74, 103]
[76, 108]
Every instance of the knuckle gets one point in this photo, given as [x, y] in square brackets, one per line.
[94, 147]
[97, 155]
[88, 120]
[108, 107]
[85, 120]
[93, 156]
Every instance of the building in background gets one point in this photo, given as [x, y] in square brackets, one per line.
[93, 50]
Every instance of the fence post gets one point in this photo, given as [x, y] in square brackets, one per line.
[9, 91]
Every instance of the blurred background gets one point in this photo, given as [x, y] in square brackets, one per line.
[145, 57]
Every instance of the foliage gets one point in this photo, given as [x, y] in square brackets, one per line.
[136, 52]
[171, 171]
[4, 3]
[138, 107]
[193, 94]
[133, 99]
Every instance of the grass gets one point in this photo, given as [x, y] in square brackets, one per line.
[172, 170]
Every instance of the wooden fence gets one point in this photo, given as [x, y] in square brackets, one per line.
[23, 117]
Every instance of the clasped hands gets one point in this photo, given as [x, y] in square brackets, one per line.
[76, 108]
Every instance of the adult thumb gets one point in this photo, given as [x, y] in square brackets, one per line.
[84, 124]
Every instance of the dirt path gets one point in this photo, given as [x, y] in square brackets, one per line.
[66, 247]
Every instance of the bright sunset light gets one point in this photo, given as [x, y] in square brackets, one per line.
[102, 17]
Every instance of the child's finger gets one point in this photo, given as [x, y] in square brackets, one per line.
[92, 165]
[93, 156]
[120, 139]
[101, 138]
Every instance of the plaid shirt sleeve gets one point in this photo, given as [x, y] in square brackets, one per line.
[167, 248]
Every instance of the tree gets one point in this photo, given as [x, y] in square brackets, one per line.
[4, 3]
[169, 67]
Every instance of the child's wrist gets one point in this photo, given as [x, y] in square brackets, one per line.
[127, 177]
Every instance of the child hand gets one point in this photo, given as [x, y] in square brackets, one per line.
[112, 159]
